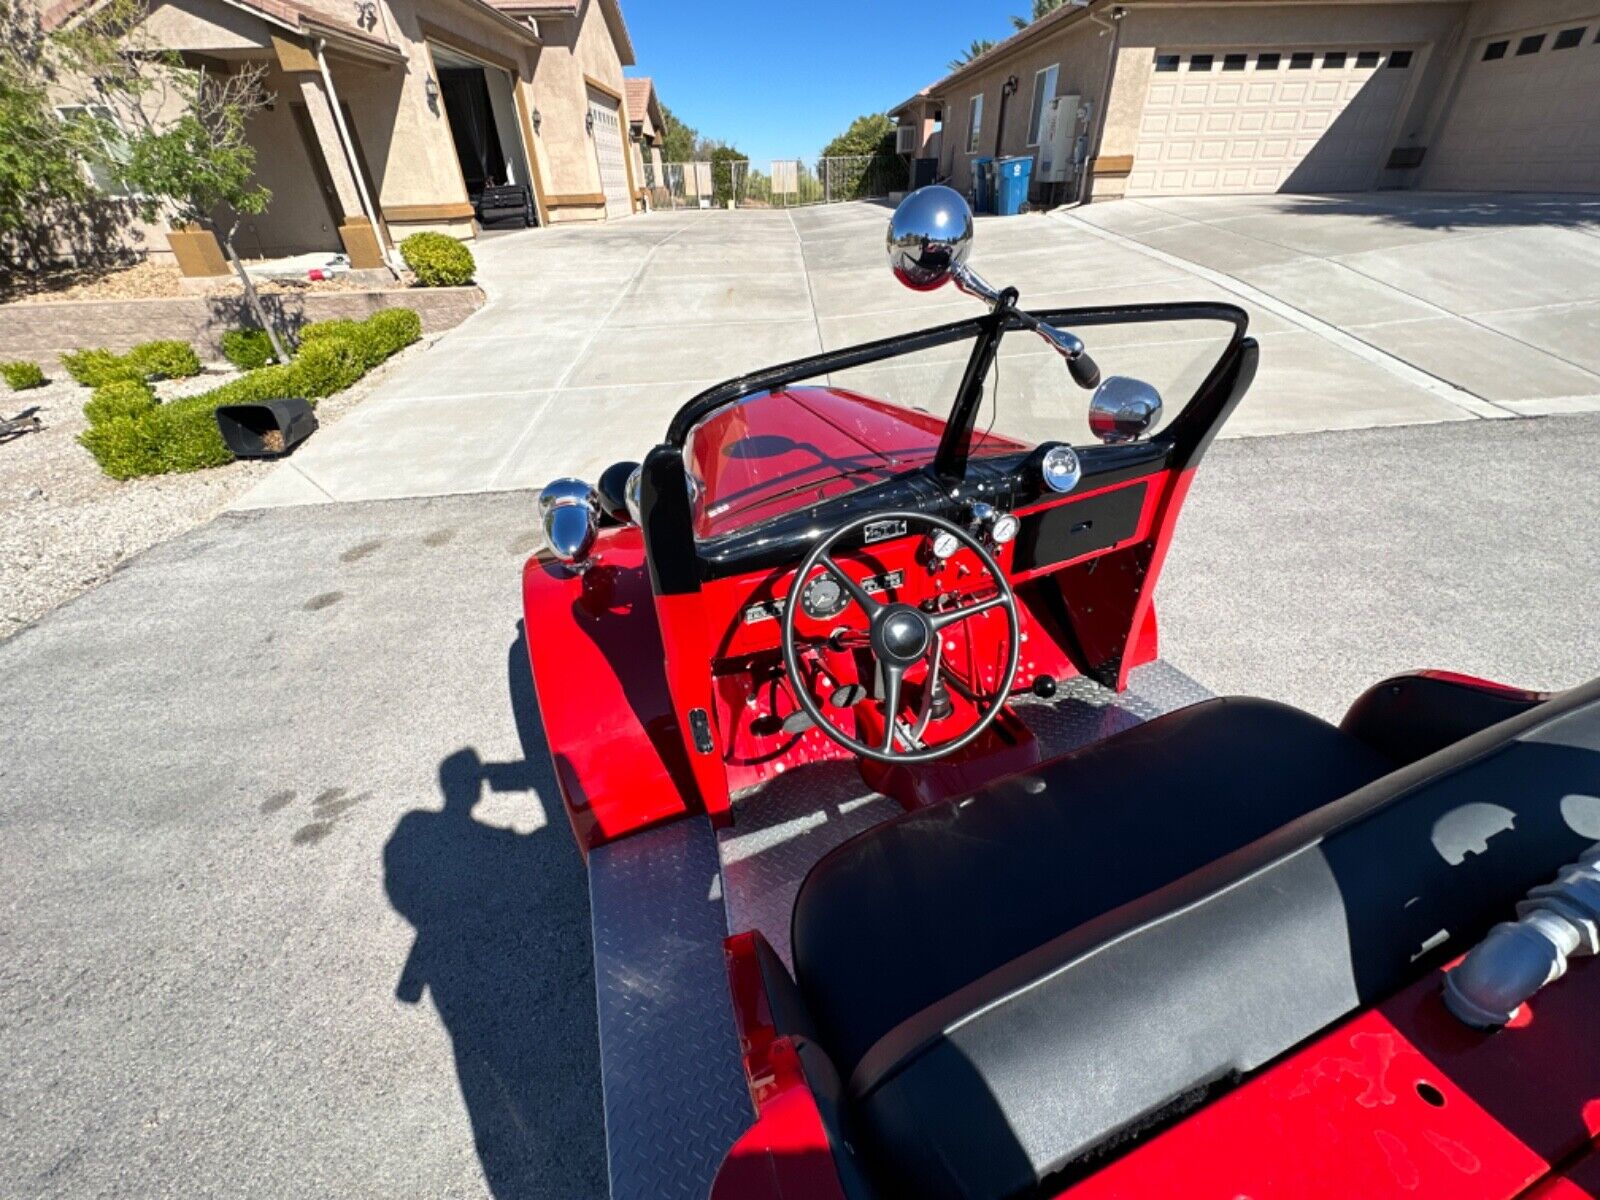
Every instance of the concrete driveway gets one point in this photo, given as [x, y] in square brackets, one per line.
[1372, 310]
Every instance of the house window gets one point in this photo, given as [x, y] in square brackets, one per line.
[1531, 44]
[1568, 38]
[1495, 50]
[974, 122]
[905, 139]
[1234, 62]
[1201, 62]
[116, 146]
[1399, 60]
[1166, 62]
[1300, 60]
[1367, 59]
[1044, 91]
[1268, 62]
[1333, 59]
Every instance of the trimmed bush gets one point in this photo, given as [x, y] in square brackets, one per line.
[119, 398]
[395, 328]
[132, 435]
[326, 366]
[92, 368]
[20, 376]
[124, 447]
[438, 260]
[247, 349]
[163, 360]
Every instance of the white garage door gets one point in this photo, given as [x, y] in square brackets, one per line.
[1225, 122]
[1524, 118]
[608, 149]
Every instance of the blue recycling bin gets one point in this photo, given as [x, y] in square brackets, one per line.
[983, 184]
[1011, 185]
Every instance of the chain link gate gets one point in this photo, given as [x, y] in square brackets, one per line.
[789, 183]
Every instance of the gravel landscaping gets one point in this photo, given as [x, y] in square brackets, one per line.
[65, 527]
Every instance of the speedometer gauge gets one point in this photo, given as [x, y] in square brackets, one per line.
[1061, 468]
[945, 543]
[823, 598]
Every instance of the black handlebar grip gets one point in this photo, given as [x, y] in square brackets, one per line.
[1085, 373]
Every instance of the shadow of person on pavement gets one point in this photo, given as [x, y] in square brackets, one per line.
[502, 949]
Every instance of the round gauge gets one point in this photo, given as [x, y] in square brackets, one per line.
[1005, 528]
[945, 543]
[823, 598]
[1061, 468]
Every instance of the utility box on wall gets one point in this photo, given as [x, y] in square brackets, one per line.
[1058, 139]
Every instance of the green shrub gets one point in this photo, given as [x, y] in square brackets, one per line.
[247, 349]
[186, 435]
[438, 260]
[269, 383]
[326, 366]
[395, 328]
[119, 398]
[124, 447]
[341, 329]
[163, 360]
[20, 376]
[92, 368]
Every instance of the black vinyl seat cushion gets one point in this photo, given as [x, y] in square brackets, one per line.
[1100, 1029]
[910, 911]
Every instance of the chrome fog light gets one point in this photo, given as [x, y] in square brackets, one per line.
[571, 513]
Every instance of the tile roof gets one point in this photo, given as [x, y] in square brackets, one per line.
[638, 94]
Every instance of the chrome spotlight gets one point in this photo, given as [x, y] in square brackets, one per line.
[1123, 409]
[930, 236]
[571, 512]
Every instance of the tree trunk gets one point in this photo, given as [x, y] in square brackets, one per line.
[251, 298]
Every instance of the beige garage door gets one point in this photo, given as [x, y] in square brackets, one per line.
[607, 133]
[1228, 121]
[1525, 117]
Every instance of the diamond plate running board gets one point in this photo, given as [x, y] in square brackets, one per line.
[675, 1099]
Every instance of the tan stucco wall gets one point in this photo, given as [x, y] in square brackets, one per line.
[1433, 28]
[573, 48]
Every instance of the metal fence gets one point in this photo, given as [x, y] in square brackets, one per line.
[787, 183]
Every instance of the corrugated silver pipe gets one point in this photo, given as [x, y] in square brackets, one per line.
[1558, 921]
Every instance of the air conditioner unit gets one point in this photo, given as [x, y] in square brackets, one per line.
[1057, 138]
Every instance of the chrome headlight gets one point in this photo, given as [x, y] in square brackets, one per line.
[571, 511]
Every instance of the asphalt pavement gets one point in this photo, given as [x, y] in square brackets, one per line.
[290, 907]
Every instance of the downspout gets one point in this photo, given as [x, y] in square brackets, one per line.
[348, 146]
[1099, 115]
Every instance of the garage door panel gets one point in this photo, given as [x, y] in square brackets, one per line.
[1523, 122]
[606, 130]
[1322, 128]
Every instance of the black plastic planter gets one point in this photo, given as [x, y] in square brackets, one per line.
[265, 430]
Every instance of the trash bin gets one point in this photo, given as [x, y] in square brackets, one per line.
[983, 185]
[1011, 185]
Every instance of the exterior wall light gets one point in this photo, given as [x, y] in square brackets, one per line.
[538, 120]
[430, 88]
[588, 122]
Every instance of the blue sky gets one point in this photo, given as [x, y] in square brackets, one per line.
[779, 78]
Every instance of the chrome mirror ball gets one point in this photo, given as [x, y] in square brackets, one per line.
[1123, 409]
[930, 236]
[571, 512]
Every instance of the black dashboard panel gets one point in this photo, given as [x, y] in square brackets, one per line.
[1007, 482]
[1068, 531]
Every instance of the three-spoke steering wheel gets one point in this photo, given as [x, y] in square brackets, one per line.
[899, 636]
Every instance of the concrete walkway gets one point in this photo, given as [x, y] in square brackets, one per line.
[1371, 310]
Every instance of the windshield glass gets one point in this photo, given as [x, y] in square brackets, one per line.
[823, 435]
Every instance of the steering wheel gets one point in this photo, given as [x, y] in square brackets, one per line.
[899, 637]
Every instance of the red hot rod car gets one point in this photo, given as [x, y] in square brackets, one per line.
[916, 872]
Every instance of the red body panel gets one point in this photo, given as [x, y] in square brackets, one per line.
[778, 451]
[594, 647]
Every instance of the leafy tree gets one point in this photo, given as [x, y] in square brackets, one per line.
[677, 139]
[872, 133]
[977, 47]
[47, 194]
[1041, 8]
[725, 174]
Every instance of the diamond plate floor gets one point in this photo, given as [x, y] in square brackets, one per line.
[781, 830]
[675, 1099]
